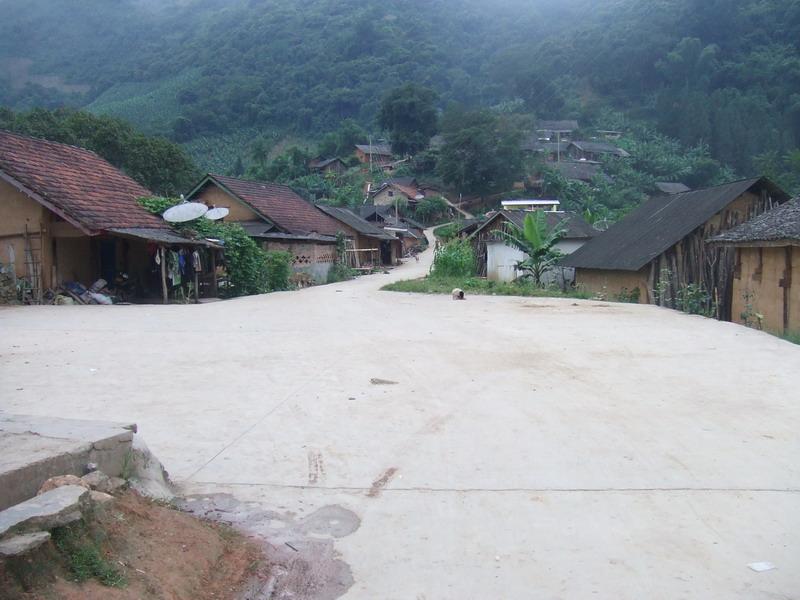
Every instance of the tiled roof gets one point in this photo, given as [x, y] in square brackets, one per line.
[354, 221]
[669, 187]
[779, 224]
[377, 149]
[575, 228]
[78, 184]
[555, 126]
[279, 204]
[600, 148]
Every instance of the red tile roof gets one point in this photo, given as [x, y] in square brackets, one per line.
[80, 185]
[279, 204]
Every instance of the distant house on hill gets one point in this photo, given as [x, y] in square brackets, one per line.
[410, 232]
[277, 218]
[406, 189]
[67, 215]
[581, 150]
[667, 187]
[497, 260]
[556, 130]
[375, 154]
[662, 244]
[370, 245]
[327, 165]
[584, 171]
[766, 280]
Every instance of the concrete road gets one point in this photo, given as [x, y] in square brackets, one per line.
[529, 448]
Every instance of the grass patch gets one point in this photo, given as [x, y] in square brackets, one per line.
[84, 557]
[446, 231]
[792, 336]
[481, 287]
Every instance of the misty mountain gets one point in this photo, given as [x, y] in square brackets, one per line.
[724, 73]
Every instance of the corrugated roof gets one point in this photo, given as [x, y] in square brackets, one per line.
[780, 223]
[277, 203]
[78, 184]
[354, 221]
[659, 224]
[576, 227]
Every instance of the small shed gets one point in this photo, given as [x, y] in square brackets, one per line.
[582, 150]
[662, 245]
[327, 165]
[766, 277]
[378, 155]
[497, 260]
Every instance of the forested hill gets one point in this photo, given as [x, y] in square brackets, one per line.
[725, 73]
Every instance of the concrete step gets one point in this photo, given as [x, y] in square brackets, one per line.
[55, 508]
[33, 449]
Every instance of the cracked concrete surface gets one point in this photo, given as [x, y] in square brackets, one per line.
[531, 448]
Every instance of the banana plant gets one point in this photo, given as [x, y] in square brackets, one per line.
[537, 240]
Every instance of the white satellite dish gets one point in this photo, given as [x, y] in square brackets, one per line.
[215, 214]
[188, 211]
[419, 197]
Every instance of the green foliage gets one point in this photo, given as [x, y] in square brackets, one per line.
[246, 263]
[694, 300]
[478, 286]
[84, 557]
[481, 152]
[156, 163]
[339, 271]
[430, 209]
[455, 258]
[446, 232]
[408, 113]
[537, 240]
[792, 336]
[279, 270]
[342, 142]
[630, 296]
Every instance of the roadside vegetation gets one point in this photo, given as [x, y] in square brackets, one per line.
[454, 266]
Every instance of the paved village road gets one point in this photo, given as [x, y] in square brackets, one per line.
[530, 448]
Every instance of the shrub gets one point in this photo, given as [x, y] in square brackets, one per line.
[456, 258]
[279, 269]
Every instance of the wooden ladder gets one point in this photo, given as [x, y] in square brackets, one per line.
[33, 265]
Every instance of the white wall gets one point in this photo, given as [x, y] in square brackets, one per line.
[501, 260]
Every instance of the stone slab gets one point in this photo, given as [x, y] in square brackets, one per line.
[22, 544]
[34, 448]
[55, 508]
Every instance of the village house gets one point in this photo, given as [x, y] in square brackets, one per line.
[766, 277]
[410, 232]
[368, 245]
[68, 217]
[595, 151]
[497, 260]
[278, 219]
[556, 130]
[378, 155]
[403, 189]
[662, 245]
[327, 165]
[549, 151]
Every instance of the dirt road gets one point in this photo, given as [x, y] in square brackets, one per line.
[527, 449]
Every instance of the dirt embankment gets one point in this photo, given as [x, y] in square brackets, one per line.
[145, 550]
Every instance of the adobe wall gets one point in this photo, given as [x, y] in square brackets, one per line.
[214, 196]
[609, 284]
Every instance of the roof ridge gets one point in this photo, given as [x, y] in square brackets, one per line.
[50, 142]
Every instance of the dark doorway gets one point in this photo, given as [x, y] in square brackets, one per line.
[108, 260]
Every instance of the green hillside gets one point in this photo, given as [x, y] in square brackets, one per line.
[719, 73]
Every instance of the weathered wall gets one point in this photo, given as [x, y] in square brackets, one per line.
[74, 260]
[759, 284]
[609, 284]
[314, 259]
[387, 197]
[16, 212]
[214, 196]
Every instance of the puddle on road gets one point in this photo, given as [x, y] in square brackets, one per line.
[304, 563]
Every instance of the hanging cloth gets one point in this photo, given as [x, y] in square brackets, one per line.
[197, 264]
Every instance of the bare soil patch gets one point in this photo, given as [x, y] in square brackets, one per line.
[153, 550]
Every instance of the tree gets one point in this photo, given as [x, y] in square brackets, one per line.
[409, 114]
[481, 154]
[537, 240]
